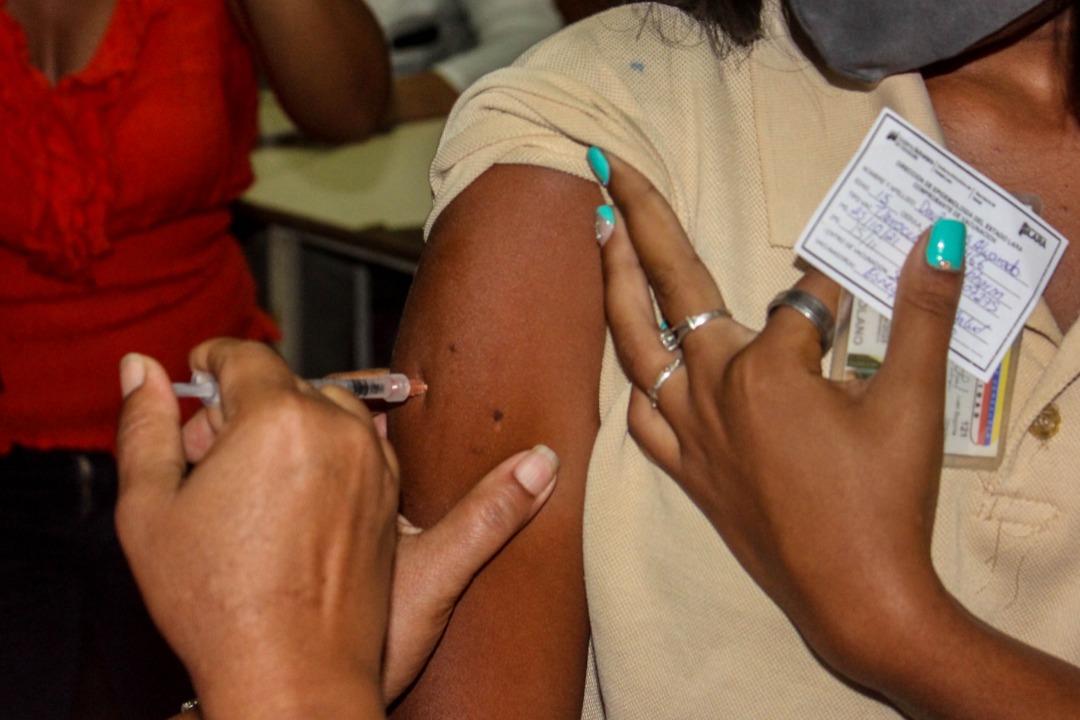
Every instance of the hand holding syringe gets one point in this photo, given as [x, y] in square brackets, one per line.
[389, 387]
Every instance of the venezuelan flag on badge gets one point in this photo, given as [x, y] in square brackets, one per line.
[992, 416]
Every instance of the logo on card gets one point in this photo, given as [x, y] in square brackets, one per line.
[1032, 233]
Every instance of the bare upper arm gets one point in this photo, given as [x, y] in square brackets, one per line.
[327, 62]
[505, 323]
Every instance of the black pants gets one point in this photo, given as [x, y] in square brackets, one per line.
[64, 580]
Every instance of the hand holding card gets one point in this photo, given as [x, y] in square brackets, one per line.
[898, 183]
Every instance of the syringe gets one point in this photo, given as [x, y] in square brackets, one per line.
[391, 388]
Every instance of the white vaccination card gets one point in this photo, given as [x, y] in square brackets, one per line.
[899, 183]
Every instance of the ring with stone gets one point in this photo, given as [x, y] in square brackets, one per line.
[672, 338]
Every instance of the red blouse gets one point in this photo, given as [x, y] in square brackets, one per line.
[115, 187]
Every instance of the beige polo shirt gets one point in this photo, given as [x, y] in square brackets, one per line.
[744, 149]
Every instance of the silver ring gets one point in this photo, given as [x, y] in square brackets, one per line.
[810, 308]
[672, 338]
[663, 377]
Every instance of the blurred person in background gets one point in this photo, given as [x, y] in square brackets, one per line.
[127, 126]
[440, 47]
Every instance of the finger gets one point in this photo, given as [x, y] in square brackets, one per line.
[404, 527]
[247, 372]
[149, 453]
[653, 434]
[484, 520]
[629, 310]
[380, 424]
[790, 337]
[389, 454]
[924, 313]
[681, 283]
[630, 314]
[198, 434]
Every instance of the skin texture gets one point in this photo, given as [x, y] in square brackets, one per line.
[294, 621]
[343, 48]
[268, 567]
[863, 592]
[1004, 112]
[327, 62]
[505, 324]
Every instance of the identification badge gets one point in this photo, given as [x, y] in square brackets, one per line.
[976, 412]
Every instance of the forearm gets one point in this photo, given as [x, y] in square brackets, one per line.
[952, 665]
[897, 631]
[327, 62]
[294, 675]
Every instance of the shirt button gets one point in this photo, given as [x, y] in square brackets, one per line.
[1047, 423]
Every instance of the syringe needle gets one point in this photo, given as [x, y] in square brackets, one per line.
[389, 387]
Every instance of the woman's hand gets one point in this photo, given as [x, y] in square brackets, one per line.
[267, 565]
[824, 491]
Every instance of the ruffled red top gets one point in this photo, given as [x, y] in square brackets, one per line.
[115, 186]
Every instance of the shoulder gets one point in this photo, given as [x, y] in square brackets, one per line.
[626, 42]
[626, 80]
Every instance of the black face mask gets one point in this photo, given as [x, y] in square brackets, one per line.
[866, 40]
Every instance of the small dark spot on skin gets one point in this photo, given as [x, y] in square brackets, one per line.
[497, 416]
[453, 347]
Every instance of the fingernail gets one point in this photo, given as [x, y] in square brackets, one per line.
[605, 223]
[945, 250]
[536, 471]
[404, 527]
[132, 373]
[599, 163]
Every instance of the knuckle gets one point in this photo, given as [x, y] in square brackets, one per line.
[665, 281]
[500, 514]
[750, 375]
[237, 349]
[284, 418]
[930, 301]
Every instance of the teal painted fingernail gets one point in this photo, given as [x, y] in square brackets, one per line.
[600, 166]
[945, 250]
[605, 223]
